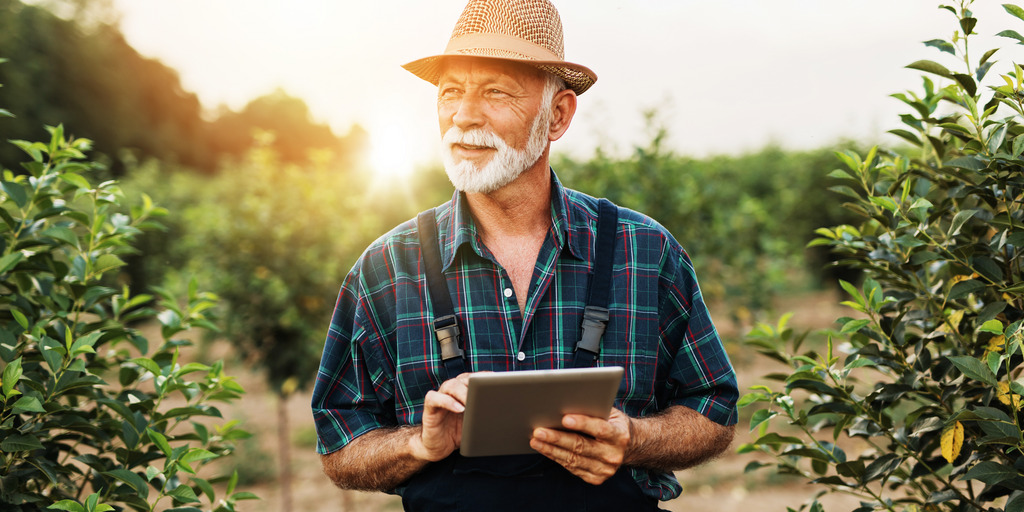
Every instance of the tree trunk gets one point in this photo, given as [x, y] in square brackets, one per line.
[284, 452]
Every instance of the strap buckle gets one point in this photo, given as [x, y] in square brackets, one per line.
[446, 329]
[595, 319]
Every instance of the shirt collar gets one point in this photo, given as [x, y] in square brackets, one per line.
[566, 221]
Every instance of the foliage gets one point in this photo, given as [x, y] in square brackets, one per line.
[275, 240]
[926, 386]
[135, 103]
[744, 219]
[93, 417]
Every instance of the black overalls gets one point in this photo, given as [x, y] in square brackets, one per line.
[518, 482]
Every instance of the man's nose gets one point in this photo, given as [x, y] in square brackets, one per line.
[469, 112]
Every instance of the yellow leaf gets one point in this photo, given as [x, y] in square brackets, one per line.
[955, 318]
[1006, 397]
[995, 345]
[952, 441]
[963, 277]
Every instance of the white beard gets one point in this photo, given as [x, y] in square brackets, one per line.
[504, 167]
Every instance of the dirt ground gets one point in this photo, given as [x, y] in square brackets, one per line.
[720, 485]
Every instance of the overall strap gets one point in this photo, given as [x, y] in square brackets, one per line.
[446, 326]
[595, 315]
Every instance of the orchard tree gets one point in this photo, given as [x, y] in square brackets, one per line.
[94, 415]
[921, 383]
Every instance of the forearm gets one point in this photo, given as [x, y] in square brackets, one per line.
[379, 460]
[674, 439]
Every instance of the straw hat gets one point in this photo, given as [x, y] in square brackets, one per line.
[527, 31]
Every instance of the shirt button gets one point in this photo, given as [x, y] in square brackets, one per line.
[508, 293]
[521, 356]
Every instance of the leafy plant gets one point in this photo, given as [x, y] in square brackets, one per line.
[915, 402]
[93, 417]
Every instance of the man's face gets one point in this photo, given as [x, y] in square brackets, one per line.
[492, 122]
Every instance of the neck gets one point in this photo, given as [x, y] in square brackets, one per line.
[521, 208]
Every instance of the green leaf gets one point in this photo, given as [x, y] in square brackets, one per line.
[959, 220]
[69, 505]
[942, 45]
[881, 466]
[197, 454]
[245, 496]
[16, 192]
[148, 364]
[965, 288]
[20, 443]
[967, 162]
[1014, 10]
[63, 234]
[12, 373]
[992, 326]
[931, 67]
[854, 325]
[967, 82]
[76, 180]
[775, 439]
[990, 472]
[8, 262]
[974, 369]
[988, 55]
[107, 262]
[885, 202]
[131, 479]
[28, 404]
[160, 440]
[1016, 504]
[184, 494]
[1012, 34]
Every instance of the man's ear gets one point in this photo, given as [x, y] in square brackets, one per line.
[563, 107]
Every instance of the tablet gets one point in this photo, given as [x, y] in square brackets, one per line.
[503, 408]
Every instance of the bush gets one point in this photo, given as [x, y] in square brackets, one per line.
[93, 416]
[923, 379]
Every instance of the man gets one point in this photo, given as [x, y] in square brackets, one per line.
[517, 252]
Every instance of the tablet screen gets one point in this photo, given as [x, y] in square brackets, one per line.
[503, 408]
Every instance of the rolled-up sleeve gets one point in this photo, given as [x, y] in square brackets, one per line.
[352, 394]
[701, 376]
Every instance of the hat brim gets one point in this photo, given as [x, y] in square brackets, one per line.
[578, 78]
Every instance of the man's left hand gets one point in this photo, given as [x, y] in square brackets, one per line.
[594, 449]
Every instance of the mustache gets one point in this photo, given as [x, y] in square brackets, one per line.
[473, 137]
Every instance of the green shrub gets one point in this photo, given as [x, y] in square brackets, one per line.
[921, 385]
[93, 416]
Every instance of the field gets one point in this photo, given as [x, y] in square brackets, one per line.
[720, 485]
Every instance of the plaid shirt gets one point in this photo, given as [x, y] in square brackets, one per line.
[381, 357]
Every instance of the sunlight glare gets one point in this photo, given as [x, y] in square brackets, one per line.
[391, 154]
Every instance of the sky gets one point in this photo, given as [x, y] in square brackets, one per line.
[724, 76]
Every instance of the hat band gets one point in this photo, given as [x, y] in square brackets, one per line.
[500, 42]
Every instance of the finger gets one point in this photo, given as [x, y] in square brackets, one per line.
[597, 428]
[581, 446]
[589, 470]
[457, 387]
[435, 400]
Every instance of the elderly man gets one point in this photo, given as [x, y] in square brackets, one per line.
[517, 251]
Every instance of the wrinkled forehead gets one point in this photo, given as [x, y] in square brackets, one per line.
[483, 68]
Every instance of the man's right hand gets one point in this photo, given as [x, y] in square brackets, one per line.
[441, 431]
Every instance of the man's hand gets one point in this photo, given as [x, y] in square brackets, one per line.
[593, 451]
[441, 432]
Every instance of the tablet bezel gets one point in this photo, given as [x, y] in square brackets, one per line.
[503, 408]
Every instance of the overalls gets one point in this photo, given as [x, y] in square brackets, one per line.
[517, 483]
